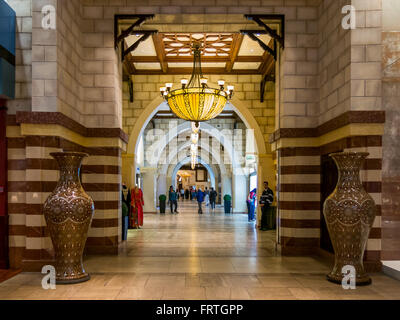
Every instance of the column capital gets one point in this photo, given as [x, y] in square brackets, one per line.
[265, 155]
[148, 169]
[128, 155]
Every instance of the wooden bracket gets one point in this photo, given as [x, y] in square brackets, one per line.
[257, 18]
[118, 17]
[131, 30]
[145, 34]
[253, 35]
[265, 79]
[130, 85]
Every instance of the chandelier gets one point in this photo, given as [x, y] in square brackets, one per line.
[193, 155]
[195, 101]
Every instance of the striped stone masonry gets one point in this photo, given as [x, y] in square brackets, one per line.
[33, 175]
[299, 199]
[300, 205]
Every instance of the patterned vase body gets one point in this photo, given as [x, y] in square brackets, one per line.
[68, 212]
[349, 213]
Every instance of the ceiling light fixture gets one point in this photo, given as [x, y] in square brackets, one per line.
[195, 101]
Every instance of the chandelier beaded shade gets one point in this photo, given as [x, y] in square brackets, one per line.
[193, 155]
[195, 101]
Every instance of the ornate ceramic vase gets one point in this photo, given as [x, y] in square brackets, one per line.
[349, 213]
[68, 212]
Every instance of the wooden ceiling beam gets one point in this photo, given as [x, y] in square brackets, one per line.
[190, 59]
[205, 71]
[128, 67]
[158, 45]
[237, 43]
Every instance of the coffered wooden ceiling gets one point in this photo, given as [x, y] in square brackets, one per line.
[171, 53]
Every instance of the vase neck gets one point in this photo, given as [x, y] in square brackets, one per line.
[349, 165]
[70, 166]
[70, 174]
[349, 178]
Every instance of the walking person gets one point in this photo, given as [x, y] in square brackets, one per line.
[200, 199]
[266, 200]
[207, 196]
[172, 198]
[192, 192]
[213, 198]
[251, 199]
[183, 194]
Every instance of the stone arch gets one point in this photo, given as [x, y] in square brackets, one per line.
[186, 126]
[238, 106]
[183, 146]
[187, 160]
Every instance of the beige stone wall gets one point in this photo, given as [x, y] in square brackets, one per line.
[298, 83]
[101, 67]
[366, 56]
[334, 64]
[44, 61]
[350, 60]
[23, 61]
[75, 69]
[70, 94]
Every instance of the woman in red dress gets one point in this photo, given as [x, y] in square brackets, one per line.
[137, 208]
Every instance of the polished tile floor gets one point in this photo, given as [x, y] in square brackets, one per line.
[191, 256]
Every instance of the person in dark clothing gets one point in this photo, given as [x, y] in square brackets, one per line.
[200, 199]
[213, 198]
[266, 200]
[173, 200]
[187, 194]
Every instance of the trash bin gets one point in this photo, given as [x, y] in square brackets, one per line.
[227, 203]
[163, 199]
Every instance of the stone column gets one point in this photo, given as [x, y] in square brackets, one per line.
[128, 169]
[161, 186]
[239, 191]
[149, 189]
[168, 180]
[226, 186]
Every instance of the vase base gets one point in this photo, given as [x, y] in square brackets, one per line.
[364, 281]
[85, 277]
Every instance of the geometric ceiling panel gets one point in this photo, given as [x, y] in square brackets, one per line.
[221, 53]
[145, 48]
[250, 47]
[190, 64]
[213, 44]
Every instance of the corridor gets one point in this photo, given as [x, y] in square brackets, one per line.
[191, 256]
